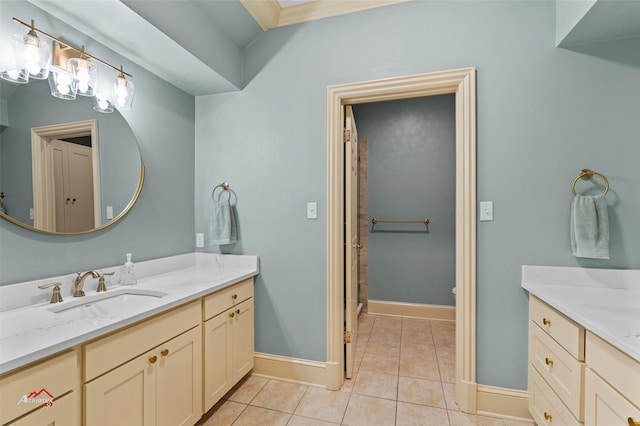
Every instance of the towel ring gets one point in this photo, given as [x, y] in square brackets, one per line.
[225, 187]
[587, 174]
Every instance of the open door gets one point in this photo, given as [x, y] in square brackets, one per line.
[352, 243]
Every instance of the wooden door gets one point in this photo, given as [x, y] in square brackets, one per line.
[73, 186]
[352, 243]
[179, 380]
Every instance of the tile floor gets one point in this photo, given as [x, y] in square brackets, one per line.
[405, 374]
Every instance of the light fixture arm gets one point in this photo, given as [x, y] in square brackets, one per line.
[62, 43]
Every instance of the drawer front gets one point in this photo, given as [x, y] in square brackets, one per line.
[55, 376]
[562, 372]
[222, 300]
[605, 406]
[618, 369]
[116, 349]
[564, 331]
[545, 406]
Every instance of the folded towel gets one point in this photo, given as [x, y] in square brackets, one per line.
[589, 227]
[222, 223]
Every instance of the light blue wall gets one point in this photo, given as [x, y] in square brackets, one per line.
[411, 175]
[161, 223]
[542, 114]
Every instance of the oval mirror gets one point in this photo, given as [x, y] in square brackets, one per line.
[64, 168]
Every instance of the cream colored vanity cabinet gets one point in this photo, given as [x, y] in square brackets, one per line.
[612, 390]
[556, 366]
[23, 392]
[148, 374]
[228, 339]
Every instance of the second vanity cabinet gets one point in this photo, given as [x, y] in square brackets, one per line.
[228, 340]
[575, 377]
[162, 386]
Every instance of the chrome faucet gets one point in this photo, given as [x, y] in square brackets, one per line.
[79, 282]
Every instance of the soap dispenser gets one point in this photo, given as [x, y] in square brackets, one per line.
[128, 276]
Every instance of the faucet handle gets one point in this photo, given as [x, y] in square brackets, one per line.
[56, 297]
[102, 286]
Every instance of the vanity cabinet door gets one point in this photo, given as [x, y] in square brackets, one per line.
[605, 406]
[217, 355]
[242, 334]
[179, 380]
[64, 412]
[124, 396]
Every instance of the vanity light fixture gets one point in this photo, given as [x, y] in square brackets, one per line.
[72, 71]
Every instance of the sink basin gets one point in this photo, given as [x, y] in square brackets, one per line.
[107, 303]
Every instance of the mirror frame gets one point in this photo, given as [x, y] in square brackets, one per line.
[122, 214]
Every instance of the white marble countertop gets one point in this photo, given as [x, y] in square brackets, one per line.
[603, 301]
[31, 332]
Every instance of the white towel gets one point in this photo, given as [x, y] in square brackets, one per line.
[589, 227]
[222, 223]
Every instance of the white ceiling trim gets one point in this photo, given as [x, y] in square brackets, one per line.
[269, 14]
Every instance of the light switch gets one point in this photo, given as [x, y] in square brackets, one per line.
[199, 239]
[109, 212]
[312, 210]
[486, 210]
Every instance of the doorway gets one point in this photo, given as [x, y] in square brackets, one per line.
[460, 82]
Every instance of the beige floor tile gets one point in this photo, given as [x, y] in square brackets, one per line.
[385, 335]
[419, 325]
[305, 421]
[224, 413]
[420, 415]
[417, 337]
[247, 389]
[419, 367]
[444, 333]
[450, 396]
[519, 422]
[280, 396]
[420, 391]
[447, 354]
[443, 326]
[254, 416]
[378, 385]
[384, 321]
[322, 404]
[458, 418]
[367, 411]
[379, 363]
[385, 348]
[347, 386]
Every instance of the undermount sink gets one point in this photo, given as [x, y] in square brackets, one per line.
[107, 303]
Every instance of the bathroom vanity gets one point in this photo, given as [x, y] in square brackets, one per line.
[162, 352]
[584, 346]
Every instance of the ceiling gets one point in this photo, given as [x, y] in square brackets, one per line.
[198, 45]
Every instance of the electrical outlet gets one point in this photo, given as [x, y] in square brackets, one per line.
[199, 239]
[486, 210]
[312, 210]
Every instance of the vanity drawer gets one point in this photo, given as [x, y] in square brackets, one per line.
[224, 299]
[562, 372]
[564, 331]
[619, 370]
[116, 349]
[544, 405]
[55, 376]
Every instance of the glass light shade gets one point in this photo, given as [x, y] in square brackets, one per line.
[62, 84]
[102, 103]
[20, 76]
[32, 54]
[86, 75]
[123, 93]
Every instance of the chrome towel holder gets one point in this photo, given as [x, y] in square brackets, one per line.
[225, 187]
[585, 174]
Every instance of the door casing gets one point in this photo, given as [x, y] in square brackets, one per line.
[460, 82]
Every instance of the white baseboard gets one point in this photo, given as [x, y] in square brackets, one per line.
[295, 370]
[416, 310]
[501, 402]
